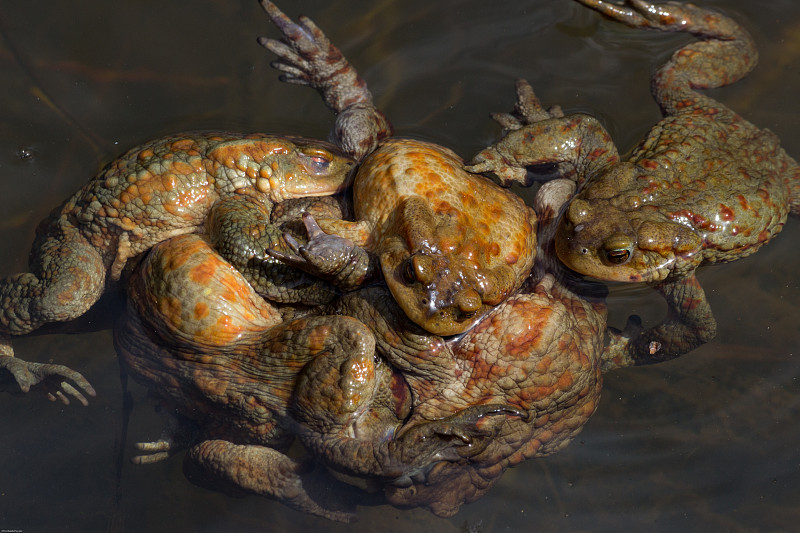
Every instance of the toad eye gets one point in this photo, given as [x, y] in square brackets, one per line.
[617, 249]
[316, 162]
[618, 256]
[409, 276]
[468, 314]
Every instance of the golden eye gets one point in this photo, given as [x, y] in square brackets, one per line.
[618, 248]
[618, 256]
[468, 314]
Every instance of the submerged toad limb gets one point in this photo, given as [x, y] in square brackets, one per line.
[307, 57]
[451, 245]
[705, 185]
[158, 190]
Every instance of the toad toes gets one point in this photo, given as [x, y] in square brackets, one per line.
[220, 183]
[705, 185]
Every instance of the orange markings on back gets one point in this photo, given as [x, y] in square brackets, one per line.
[726, 213]
[318, 337]
[181, 145]
[204, 272]
[200, 310]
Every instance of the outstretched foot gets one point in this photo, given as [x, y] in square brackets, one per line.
[307, 57]
[264, 471]
[527, 110]
[51, 379]
[178, 435]
[326, 256]
[640, 14]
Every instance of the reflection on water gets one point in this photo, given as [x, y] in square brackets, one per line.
[707, 441]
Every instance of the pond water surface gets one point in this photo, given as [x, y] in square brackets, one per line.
[710, 441]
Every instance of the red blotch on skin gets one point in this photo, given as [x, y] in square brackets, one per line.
[726, 213]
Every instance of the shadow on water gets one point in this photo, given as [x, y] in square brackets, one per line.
[707, 441]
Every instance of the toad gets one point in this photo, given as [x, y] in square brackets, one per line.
[428, 420]
[220, 183]
[705, 186]
[242, 382]
[450, 245]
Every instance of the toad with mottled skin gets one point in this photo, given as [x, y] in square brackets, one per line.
[220, 357]
[705, 186]
[378, 412]
[450, 244]
[220, 183]
[245, 381]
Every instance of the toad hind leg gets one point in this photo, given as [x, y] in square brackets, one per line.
[263, 471]
[67, 277]
[307, 57]
[725, 53]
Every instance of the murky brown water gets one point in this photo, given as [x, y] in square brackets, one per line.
[709, 441]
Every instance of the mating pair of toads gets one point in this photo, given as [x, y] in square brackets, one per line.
[431, 330]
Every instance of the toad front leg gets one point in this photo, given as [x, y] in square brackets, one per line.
[577, 144]
[329, 256]
[66, 277]
[689, 323]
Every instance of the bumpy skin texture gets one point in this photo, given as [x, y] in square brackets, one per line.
[416, 206]
[307, 57]
[451, 245]
[704, 186]
[219, 356]
[244, 382]
[381, 402]
[158, 190]
[538, 354]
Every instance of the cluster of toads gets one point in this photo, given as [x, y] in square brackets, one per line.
[414, 326]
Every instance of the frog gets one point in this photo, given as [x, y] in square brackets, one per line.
[163, 188]
[421, 219]
[373, 398]
[450, 245]
[540, 354]
[705, 186]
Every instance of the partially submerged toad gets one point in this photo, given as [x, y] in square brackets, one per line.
[451, 245]
[705, 185]
[242, 382]
[158, 190]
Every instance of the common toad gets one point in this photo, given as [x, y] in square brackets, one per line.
[451, 245]
[705, 186]
[243, 382]
[421, 218]
[158, 190]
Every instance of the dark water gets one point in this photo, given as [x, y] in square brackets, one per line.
[709, 441]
